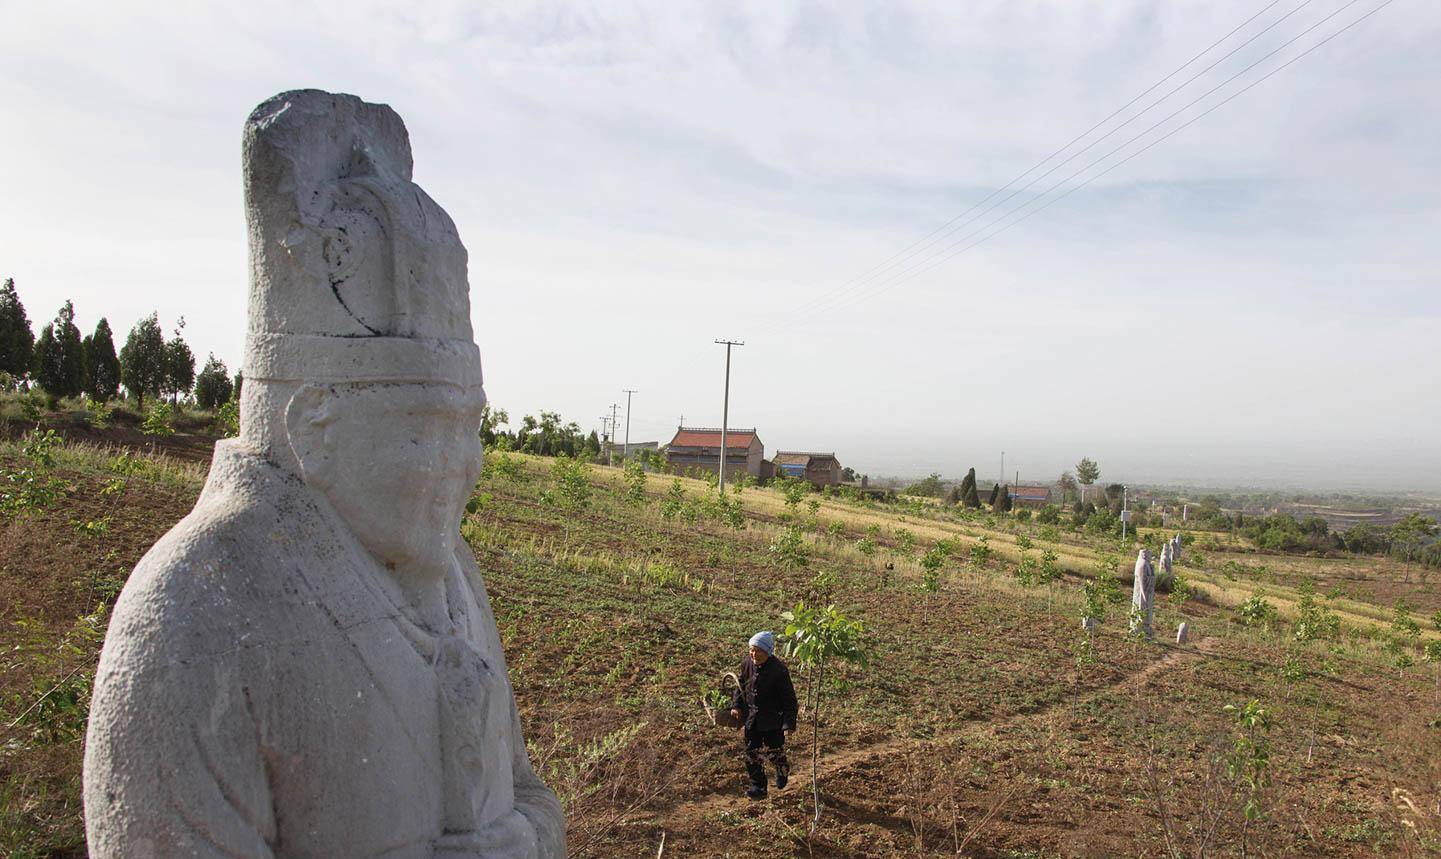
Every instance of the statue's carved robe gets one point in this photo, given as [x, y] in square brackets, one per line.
[286, 706]
[1143, 595]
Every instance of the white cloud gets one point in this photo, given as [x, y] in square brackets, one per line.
[634, 180]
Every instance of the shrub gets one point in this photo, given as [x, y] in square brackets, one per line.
[1257, 611]
[227, 419]
[790, 550]
[571, 491]
[159, 421]
[673, 501]
[981, 551]
[635, 480]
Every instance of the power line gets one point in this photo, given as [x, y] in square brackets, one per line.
[960, 246]
[923, 241]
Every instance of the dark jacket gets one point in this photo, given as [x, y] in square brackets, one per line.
[766, 698]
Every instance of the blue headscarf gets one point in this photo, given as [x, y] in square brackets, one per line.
[765, 641]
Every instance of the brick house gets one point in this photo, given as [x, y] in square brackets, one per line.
[1031, 496]
[698, 449]
[819, 469]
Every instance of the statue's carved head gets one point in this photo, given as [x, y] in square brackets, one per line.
[396, 461]
[361, 370]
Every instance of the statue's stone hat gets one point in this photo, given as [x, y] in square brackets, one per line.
[356, 274]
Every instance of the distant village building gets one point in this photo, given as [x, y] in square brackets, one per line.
[697, 449]
[1031, 496]
[635, 447]
[819, 469]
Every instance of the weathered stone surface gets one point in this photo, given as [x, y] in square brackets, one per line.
[1183, 633]
[1143, 594]
[307, 664]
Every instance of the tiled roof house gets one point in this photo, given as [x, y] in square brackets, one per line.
[698, 449]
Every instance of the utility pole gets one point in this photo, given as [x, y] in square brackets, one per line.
[610, 452]
[1003, 467]
[726, 410]
[628, 392]
[604, 436]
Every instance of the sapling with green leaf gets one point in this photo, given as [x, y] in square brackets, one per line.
[817, 638]
[790, 550]
[1249, 762]
[635, 480]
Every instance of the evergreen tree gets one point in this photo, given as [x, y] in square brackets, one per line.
[102, 368]
[72, 353]
[969, 496]
[592, 445]
[179, 365]
[212, 386]
[1087, 473]
[995, 490]
[45, 361]
[59, 357]
[17, 341]
[1003, 499]
[143, 360]
[235, 388]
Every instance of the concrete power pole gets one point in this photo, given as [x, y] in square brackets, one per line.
[726, 410]
[610, 451]
[628, 392]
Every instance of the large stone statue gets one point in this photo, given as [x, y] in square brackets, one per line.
[1143, 595]
[307, 664]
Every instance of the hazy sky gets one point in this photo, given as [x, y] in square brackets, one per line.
[1256, 298]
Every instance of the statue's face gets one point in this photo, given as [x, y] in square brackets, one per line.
[397, 461]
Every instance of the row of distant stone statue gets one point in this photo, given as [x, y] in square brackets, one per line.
[1143, 590]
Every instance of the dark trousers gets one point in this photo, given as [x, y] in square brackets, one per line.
[774, 743]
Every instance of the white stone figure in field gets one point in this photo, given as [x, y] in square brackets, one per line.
[1164, 574]
[1143, 595]
[1176, 548]
[307, 664]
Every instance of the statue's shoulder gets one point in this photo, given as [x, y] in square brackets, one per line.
[226, 566]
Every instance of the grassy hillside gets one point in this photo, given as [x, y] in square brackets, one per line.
[986, 722]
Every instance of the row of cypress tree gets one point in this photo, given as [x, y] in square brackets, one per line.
[64, 364]
[967, 495]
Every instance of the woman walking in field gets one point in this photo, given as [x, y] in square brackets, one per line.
[766, 702]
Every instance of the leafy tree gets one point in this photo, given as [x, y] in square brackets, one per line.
[179, 365]
[818, 637]
[491, 419]
[212, 386]
[102, 367]
[1068, 486]
[17, 341]
[1087, 473]
[1409, 535]
[930, 487]
[144, 363]
[592, 445]
[547, 436]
